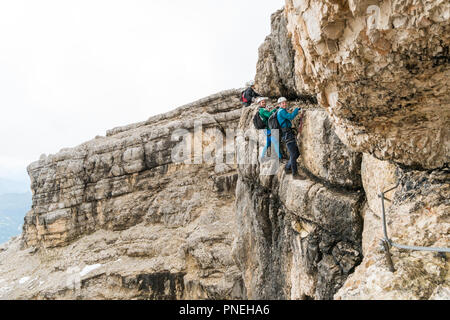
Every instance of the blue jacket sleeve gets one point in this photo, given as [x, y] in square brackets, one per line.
[289, 116]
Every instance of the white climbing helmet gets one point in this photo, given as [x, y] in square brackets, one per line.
[250, 83]
[261, 99]
[282, 99]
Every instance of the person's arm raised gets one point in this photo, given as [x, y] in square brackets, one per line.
[290, 116]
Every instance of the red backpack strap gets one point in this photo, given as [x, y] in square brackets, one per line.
[243, 97]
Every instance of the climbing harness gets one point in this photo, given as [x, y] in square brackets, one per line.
[387, 243]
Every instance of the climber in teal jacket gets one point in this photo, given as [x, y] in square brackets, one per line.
[265, 114]
[284, 119]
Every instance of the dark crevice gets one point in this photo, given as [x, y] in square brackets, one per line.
[334, 187]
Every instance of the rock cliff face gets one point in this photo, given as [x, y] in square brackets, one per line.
[79, 191]
[418, 215]
[300, 238]
[381, 68]
[137, 215]
[274, 71]
[116, 217]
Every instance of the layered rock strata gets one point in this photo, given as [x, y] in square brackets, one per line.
[122, 219]
[417, 215]
[299, 238]
[381, 68]
[118, 218]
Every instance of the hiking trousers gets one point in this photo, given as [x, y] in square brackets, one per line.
[269, 140]
[291, 143]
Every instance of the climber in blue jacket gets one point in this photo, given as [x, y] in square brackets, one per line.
[287, 134]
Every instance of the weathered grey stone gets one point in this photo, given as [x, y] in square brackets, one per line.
[151, 228]
[275, 67]
[120, 215]
[377, 176]
[382, 72]
[418, 216]
[323, 153]
[291, 231]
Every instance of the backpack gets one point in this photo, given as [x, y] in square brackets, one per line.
[273, 121]
[258, 122]
[243, 99]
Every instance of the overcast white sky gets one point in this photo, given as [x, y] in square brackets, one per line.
[70, 70]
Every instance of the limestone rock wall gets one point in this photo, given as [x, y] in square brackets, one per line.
[299, 238]
[417, 216]
[323, 153]
[318, 237]
[79, 190]
[274, 70]
[381, 68]
[117, 218]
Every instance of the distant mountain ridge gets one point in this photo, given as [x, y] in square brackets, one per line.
[13, 208]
